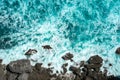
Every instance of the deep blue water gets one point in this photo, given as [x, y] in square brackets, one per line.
[82, 27]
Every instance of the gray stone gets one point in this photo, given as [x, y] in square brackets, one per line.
[2, 73]
[20, 66]
[23, 76]
[11, 76]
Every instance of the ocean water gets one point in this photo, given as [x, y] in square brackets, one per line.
[82, 27]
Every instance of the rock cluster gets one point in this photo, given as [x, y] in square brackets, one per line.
[23, 70]
[89, 70]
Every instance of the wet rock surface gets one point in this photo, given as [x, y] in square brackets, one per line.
[68, 56]
[19, 66]
[86, 70]
[47, 47]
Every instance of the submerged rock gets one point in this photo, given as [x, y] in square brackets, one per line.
[19, 66]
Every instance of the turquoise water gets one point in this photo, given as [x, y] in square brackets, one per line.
[82, 27]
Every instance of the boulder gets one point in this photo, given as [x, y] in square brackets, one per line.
[19, 66]
[95, 60]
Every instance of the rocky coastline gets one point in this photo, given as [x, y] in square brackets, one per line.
[85, 70]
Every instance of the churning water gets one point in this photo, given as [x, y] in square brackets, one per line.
[82, 27]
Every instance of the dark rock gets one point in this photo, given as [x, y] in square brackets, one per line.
[49, 64]
[47, 47]
[110, 64]
[82, 63]
[89, 78]
[112, 77]
[65, 65]
[57, 71]
[1, 61]
[117, 50]
[64, 70]
[19, 66]
[92, 66]
[42, 74]
[68, 56]
[31, 51]
[38, 66]
[95, 60]
[75, 70]
[84, 69]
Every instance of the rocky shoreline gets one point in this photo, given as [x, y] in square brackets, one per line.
[85, 70]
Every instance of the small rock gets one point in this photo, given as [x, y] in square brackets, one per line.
[49, 64]
[47, 47]
[117, 50]
[31, 51]
[110, 64]
[65, 65]
[68, 56]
